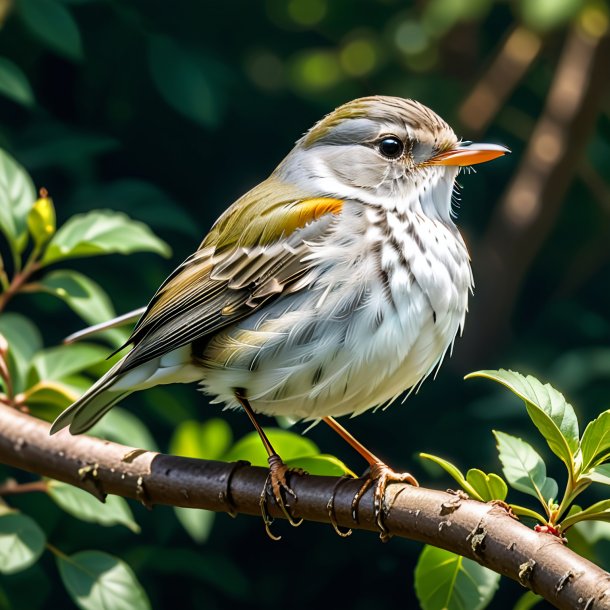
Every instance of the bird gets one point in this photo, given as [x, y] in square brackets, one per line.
[331, 288]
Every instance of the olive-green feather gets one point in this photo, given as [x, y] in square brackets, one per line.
[267, 213]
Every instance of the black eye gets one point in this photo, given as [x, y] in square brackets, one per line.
[391, 147]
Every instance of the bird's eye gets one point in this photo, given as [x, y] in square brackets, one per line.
[391, 147]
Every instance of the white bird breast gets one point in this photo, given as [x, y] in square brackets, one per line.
[364, 331]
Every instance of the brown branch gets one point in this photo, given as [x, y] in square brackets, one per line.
[517, 53]
[482, 532]
[529, 209]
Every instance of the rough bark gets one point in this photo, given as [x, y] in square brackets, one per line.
[482, 532]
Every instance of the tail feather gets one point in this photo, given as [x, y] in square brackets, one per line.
[119, 381]
[92, 405]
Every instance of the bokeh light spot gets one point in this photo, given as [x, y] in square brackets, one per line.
[307, 12]
[358, 57]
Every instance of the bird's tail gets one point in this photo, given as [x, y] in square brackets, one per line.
[93, 404]
[174, 367]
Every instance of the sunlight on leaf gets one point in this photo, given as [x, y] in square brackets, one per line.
[452, 582]
[102, 232]
[548, 409]
[489, 486]
[207, 441]
[17, 195]
[323, 464]
[598, 474]
[21, 542]
[524, 469]
[600, 511]
[96, 581]
[82, 505]
[86, 298]
[455, 472]
[56, 363]
[595, 443]
[288, 444]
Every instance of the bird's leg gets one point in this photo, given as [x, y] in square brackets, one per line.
[277, 470]
[379, 473]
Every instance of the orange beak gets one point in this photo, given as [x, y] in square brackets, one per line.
[468, 153]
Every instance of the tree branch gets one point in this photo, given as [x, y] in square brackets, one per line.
[482, 532]
[528, 211]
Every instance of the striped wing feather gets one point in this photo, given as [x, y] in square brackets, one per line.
[252, 254]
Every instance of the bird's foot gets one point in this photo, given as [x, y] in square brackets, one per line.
[381, 475]
[330, 507]
[277, 486]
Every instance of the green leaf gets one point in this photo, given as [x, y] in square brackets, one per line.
[288, 444]
[548, 409]
[323, 465]
[598, 474]
[522, 511]
[98, 581]
[183, 80]
[82, 505]
[56, 363]
[24, 341]
[198, 523]
[600, 511]
[593, 531]
[121, 426]
[455, 472]
[60, 394]
[527, 601]
[595, 443]
[86, 298]
[452, 582]
[52, 23]
[14, 83]
[17, 195]
[524, 468]
[21, 542]
[489, 486]
[207, 441]
[102, 232]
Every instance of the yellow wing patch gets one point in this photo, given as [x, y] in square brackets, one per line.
[267, 213]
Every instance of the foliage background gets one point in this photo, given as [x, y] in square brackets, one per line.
[171, 110]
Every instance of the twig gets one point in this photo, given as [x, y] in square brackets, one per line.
[13, 488]
[517, 54]
[483, 532]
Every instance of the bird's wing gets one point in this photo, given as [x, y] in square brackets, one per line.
[252, 254]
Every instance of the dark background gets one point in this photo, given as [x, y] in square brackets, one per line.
[171, 110]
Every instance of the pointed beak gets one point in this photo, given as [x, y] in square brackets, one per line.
[467, 153]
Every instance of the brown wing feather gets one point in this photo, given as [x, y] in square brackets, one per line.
[238, 267]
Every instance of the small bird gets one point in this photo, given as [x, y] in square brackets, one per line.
[328, 289]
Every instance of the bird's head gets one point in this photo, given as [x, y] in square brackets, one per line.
[384, 151]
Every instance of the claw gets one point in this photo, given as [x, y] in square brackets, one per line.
[381, 475]
[274, 485]
[330, 507]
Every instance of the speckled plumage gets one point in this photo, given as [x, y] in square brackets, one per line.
[329, 289]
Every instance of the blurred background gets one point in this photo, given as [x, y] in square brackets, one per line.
[169, 111]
